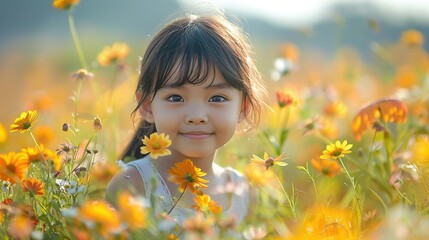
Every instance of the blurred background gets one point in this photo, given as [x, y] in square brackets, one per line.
[37, 52]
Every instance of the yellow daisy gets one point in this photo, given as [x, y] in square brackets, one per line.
[336, 150]
[187, 175]
[327, 167]
[24, 122]
[204, 203]
[34, 186]
[156, 145]
[268, 161]
[13, 166]
[110, 54]
[64, 4]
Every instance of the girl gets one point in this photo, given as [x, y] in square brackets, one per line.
[197, 83]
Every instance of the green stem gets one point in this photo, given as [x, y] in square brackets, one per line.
[76, 41]
[291, 203]
[184, 189]
[354, 188]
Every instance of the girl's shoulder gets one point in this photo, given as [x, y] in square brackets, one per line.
[128, 179]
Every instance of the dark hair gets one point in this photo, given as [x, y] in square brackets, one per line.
[189, 48]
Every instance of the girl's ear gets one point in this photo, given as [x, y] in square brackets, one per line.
[244, 112]
[145, 108]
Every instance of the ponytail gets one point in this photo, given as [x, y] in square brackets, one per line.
[132, 151]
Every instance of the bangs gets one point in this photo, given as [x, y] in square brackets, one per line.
[187, 68]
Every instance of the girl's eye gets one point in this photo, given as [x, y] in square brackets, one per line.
[175, 98]
[217, 99]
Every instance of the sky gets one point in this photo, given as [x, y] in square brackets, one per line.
[307, 12]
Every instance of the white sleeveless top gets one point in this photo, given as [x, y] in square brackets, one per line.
[235, 184]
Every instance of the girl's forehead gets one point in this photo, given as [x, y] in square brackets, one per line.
[197, 75]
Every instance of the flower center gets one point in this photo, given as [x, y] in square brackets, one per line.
[189, 177]
[156, 146]
[26, 125]
[337, 152]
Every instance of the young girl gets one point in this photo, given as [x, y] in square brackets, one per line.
[197, 84]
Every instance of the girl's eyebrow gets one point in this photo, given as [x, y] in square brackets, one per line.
[215, 86]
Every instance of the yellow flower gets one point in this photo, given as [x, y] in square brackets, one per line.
[24, 122]
[34, 186]
[131, 211]
[327, 223]
[257, 176]
[64, 4]
[117, 51]
[13, 166]
[156, 145]
[33, 153]
[412, 38]
[268, 161]
[205, 204]
[420, 150]
[101, 215]
[387, 110]
[327, 167]
[187, 175]
[3, 134]
[336, 150]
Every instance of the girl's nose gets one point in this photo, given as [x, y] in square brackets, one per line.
[196, 119]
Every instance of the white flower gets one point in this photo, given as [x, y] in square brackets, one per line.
[70, 187]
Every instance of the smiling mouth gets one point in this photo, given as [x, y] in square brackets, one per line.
[197, 135]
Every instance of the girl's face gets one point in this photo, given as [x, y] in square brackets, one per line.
[198, 118]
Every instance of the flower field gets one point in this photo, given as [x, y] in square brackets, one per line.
[342, 150]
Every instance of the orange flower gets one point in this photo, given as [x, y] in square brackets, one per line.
[24, 122]
[268, 161]
[412, 37]
[101, 215]
[327, 167]
[156, 145]
[13, 166]
[64, 4]
[34, 186]
[131, 211]
[205, 204]
[336, 150]
[117, 51]
[21, 227]
[387, 110]
[187, 175]
[406, 77]
[284, 99]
